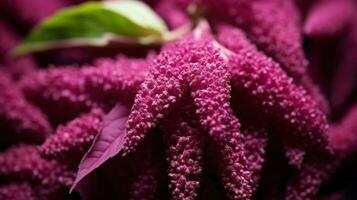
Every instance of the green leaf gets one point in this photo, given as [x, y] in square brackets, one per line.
[96, 24]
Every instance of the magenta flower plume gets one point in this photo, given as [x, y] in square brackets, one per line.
[184, 150]
[211, 94]
[29, 12]
[258, 77]
[192, 64]
[274, 25]
[328, 18]
[23, 163]
[18, 117]
[76, 90]
[71, 141]
[17, 191]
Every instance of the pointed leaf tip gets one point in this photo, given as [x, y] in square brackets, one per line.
[107, 144]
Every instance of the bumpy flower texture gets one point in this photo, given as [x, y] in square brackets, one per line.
[230, 110]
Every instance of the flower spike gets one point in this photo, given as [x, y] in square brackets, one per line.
[258, 77]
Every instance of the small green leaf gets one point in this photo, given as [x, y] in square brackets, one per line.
[96, 24]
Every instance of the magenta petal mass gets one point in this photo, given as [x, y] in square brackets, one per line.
[223, 106]
[107, 144]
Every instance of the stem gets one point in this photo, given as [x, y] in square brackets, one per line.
[203, 25]
[225, 53]
[177, 33]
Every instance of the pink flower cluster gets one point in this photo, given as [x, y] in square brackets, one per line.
[257, 101]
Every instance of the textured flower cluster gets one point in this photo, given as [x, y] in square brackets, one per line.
[258, 101]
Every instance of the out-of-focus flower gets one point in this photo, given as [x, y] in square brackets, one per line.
[75, 90]
[18, 118]
[15, 67]
[306, 182]
[344, 79]
[274, 25]
[328, 18]
[337, 21]
[63, 87]
[23, 163]
[17, 191]
[29, 12]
